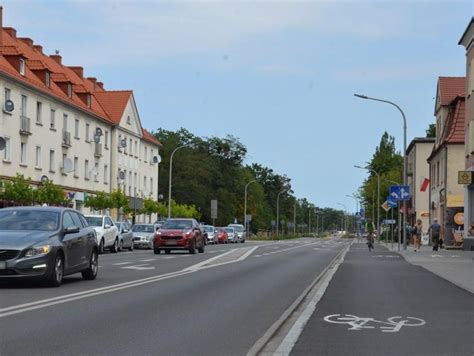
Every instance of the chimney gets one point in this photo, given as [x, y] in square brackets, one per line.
[100, 85]
[56, 57]
[78, 70]
[27, 40]
[93, 80]
[1, 26]
[11, 31]
[38, 48]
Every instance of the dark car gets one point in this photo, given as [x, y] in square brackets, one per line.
[179, 234]
[46, 243]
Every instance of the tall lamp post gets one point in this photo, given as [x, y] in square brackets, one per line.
[245, 203]
[378, 196]
[405, 161]
[171, 175]
[345, 211]
[357, 209]
[278, 210]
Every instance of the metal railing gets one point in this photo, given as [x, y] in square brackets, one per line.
[98, 150]
[25, 125]
[66, 138]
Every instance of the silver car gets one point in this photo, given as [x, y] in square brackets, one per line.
[143, 235]
[210, 233]
[125, 236]
[232, 234]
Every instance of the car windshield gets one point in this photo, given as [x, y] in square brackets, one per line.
[143, 228]
[238, 228]
[94, 220]
[208, 229]
[177, 225]
[29, 220]
[229, 229]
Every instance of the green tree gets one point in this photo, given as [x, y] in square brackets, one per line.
[431, 131]
[51, 194]
[100, 201]
[149, 207]
[19, 190]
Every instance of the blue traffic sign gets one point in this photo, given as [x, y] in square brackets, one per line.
[391, 202]
[400, 192]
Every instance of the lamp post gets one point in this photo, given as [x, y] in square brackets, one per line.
[345, 211]
[171, 175]
[378, 196]
[357, 210]
[278, 210]
[245, 203]
[405, 161]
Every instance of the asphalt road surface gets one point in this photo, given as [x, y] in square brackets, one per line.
[217, 303]
[374, 294]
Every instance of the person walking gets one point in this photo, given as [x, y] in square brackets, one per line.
[417, 234]
[370, 236]
[435, 229]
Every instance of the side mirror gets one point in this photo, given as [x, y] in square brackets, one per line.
[125, 230]
[107, 226]
[71, 230]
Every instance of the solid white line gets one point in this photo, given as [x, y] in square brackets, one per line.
[121, 263]
[209, 260]
[149, 260]
[247, 254]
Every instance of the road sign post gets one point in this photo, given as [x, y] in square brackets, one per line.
[214, 211]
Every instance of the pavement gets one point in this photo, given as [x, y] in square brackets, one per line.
[456, 266]
[379, 304]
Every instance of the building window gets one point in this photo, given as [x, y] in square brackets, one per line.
[136, 148]
[131, 146]
[106, 139]
[65, 122]
[151, 185]
[69, 90]
[437, 173]
[51, 161]
[8, 94]
[129, 122]
[87, 133]
[48, 79]
[52, 119]
[64, 163]
[146, 154]
[6, 150]
[96, 172]
[86, 169]
[106, 173]
[76, 128]
[144, 183]
[22, 66]
[88, 100]
[76, 167]
[23, 153]
[38, 157]
[130, 183]
[23, 109]
[39, 108]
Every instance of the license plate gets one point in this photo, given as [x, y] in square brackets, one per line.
[170, 243]
[3, 265]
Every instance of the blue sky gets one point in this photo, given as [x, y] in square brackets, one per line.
[278, 75]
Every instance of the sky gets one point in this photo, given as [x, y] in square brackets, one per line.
[280, 76]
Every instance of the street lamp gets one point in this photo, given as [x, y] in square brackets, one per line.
[344, 221]
[171, 175]
[357, 210]
[378, 196]
[278, 210]
[405, 161]
[245, 203]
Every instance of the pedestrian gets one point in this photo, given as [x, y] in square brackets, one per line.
[370, 236]
[418, 232]
[435, 229]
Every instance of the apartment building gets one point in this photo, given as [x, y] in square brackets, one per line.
[59, 125]
[447, 157]
[418, 173]
[467, 40]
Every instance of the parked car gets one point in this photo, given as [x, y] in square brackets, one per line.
[240, 230]
[107, 232]
[125, 236]
[222, 236]
[143, 235]
[46, 243]
[179, 234]
[232, 234]
[159, 223]
[209, 233]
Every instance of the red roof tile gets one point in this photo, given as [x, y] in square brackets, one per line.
[114, 103]
[150, 138]
[451, 87]
[456, 121]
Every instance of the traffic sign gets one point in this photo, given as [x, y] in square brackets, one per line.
[389, 222]
[385, 206]
[391, 203]
[248, 218]
[400, 192]
[214, 209]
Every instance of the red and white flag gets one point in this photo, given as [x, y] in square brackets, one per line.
[425, 182]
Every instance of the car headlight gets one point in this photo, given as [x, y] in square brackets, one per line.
[38, 251]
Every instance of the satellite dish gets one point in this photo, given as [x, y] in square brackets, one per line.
[9, 106]
[44, 179]
[3, 143]
[123, 142]
[94, 172]
[96, 138]
[157, 159]
[122, 175]
[67, 165]
[98, 131]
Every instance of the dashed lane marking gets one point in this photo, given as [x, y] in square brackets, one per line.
[121, 263]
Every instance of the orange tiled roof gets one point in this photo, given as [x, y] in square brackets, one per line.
[450, 88]
[114, 103]
[150, 138]
[457, 118]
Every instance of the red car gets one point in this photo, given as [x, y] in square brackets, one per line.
[179, 234]
[222, 236]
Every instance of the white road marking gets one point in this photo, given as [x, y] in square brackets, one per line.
[439, 256]
[148, 260]
[138, 267]
[121, 263]
[395, 323]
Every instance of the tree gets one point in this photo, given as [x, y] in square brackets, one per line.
[431, 131]
[51, 194]
[19, 190]
[149, 207]
[99, 201]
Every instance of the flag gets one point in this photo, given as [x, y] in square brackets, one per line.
[424, 184]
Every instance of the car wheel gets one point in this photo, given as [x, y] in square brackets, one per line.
[90, 273]
[201, 249]
[114, 248]
[120, 246]
[131, 246]
[192, 248]
[167, 252]
[56, 275]
[101, 246]
[156, 251]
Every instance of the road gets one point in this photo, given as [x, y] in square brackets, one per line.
[217, 303]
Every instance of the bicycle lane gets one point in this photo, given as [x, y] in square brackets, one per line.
[357, 314]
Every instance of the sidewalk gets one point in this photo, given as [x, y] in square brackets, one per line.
[456, 266]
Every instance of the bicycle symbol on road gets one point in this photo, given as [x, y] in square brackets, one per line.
[392, 325]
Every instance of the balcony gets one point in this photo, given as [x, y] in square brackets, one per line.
[66, 139]
[98, 150]
[25, 126]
